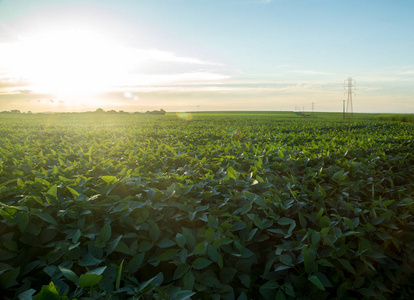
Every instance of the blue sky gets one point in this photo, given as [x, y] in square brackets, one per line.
[219, 55]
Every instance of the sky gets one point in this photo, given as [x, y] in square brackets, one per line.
[207, 55]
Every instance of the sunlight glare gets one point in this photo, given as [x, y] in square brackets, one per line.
[71, 64]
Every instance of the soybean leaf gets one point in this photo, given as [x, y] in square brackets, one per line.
[315, 280]
[201, 263]
[89, 279]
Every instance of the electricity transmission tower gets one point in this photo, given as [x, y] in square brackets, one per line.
[350, 87]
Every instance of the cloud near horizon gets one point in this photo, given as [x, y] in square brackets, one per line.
[58, 61]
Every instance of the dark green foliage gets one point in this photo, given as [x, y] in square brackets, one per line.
[143, 207]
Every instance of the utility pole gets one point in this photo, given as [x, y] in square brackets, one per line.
[313, 108]
[349, 84]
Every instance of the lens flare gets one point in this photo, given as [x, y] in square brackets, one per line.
[185, 116]
[132, 96]
[234, 133]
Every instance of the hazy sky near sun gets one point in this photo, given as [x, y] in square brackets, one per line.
[216, 54]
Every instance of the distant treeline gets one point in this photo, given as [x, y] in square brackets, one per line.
[154, 112]
[98, 111]
[13, 111]
[397, 117]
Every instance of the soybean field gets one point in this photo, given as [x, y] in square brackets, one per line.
[205, 206]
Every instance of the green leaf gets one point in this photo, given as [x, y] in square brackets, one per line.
[280, 295]
[98, 271]
[325, 221]
[286, 259]
[123, 248]
[210, 235]
[180, 271]
[135, 262]
[73, 192]
[49, 292]
[165, 243]
[201, 263]
[183, 295]
[22, 220]
[324, 279]
[267, 289]
[157, 278]
[212, 253]
[246, 208]
[339, 176]
[88, 260]
[46, 217]
[200, 249]
[189, 234]
[180, 240]
[315, 280]
[118, 276]
[8, 279]
[154, 232]
[109, 179]
[309, 259]
[315, 237]
[69, 274]
[113, 245]
[188, 280]
[347, 265]
[282, 267]
[250, 196]
[106, 232]
[231, 173]
[212, 222]
[319, 214]
[220, 261]
[377, 220]
[168, 255]
[51, 193]
[27, 295]
[171, 191]
[324, 262]
[288, 289]
[227, 274]
[76, 236]
[251, 234]
[7, 216]
[144, 246]
[285, 221]
[89, 279]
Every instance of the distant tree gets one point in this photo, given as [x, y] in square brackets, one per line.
[15, 111]
[99, 110]
[156, 112]
[111, 111]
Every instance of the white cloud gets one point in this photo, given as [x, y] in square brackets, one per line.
[310, 72]
[408, 72]
[168, 79]
[165, 56]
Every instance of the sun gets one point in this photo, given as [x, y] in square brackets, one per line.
[71, 64]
